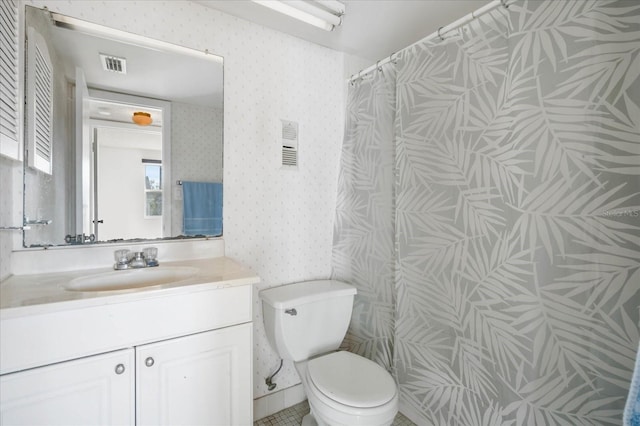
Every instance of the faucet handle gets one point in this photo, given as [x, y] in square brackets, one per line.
[151, 256]
[122, 259]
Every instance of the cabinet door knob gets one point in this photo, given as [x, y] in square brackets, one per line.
[149, 362]
[120, 368]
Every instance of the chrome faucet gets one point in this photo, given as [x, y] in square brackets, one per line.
[137, 260]
[140, 259]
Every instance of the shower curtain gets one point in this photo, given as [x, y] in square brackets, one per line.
[363, 249]
[515, 284]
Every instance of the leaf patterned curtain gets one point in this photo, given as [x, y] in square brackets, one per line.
[363, 244]
[516, 284]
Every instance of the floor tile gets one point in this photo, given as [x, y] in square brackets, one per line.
[292, 416]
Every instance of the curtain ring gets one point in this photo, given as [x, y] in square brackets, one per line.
[378, 67]
[392, 59]
[439, 35]
[504, 3]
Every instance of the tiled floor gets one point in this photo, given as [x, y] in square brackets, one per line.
[292, 416]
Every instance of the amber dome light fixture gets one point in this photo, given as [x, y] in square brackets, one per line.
[142, 118]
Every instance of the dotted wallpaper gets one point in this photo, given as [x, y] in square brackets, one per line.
[195, 131]
[10, 210]
[279, 222]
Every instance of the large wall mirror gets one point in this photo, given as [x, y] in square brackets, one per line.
[123, 135]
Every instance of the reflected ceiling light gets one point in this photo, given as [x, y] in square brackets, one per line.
[142, 118]
[325, 14]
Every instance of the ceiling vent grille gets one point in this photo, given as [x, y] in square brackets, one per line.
[289, 143]
[113, 63]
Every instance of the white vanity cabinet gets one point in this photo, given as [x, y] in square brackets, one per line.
[203, 379]
[96, 390]
[175, 354]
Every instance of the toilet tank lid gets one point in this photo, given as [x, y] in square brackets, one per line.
[291, 295]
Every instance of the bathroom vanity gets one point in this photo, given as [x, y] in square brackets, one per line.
[179, 352]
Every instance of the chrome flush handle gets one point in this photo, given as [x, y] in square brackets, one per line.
[291, 311]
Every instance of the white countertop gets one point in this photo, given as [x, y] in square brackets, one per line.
[41, 323]
[28, 294]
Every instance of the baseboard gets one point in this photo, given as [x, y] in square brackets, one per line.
[277, 401]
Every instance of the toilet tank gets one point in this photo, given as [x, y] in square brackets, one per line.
[308, 318]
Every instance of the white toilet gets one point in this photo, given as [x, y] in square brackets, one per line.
[305, 323]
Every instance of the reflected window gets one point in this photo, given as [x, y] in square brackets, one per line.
[152, 188]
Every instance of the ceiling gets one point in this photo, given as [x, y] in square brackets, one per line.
[150, 70]
[366, 32]
[371, 29]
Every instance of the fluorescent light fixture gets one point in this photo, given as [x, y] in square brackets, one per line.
[334, 6]
[326, 15]
[97, 30]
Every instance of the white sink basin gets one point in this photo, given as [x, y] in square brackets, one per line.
[131, 278]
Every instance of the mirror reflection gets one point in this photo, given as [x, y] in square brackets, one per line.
[123, 135]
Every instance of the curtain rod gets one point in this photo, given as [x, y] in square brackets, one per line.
[437, 34]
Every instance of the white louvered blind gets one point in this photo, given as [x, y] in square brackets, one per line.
[39, 103]
[9, 104]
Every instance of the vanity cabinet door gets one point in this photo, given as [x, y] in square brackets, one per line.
[96, 390]
[201, 379]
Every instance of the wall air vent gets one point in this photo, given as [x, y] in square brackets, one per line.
[113, 63]
[289, 143]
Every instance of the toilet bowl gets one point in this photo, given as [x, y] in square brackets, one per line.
[305, 323]
[345, 389]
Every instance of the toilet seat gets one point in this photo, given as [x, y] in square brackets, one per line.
[351, 380]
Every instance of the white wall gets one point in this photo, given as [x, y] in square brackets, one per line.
[278, 222]
[10, 210]
[196, 151]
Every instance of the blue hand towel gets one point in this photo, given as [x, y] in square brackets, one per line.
[202, 202]
[632, 408]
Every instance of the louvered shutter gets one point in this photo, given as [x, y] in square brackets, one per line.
[9, 104]
[39, 103]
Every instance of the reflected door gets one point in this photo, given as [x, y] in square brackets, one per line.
[84, 202]
[128, 183]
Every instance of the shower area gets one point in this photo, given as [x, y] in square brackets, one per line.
[488, 212]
